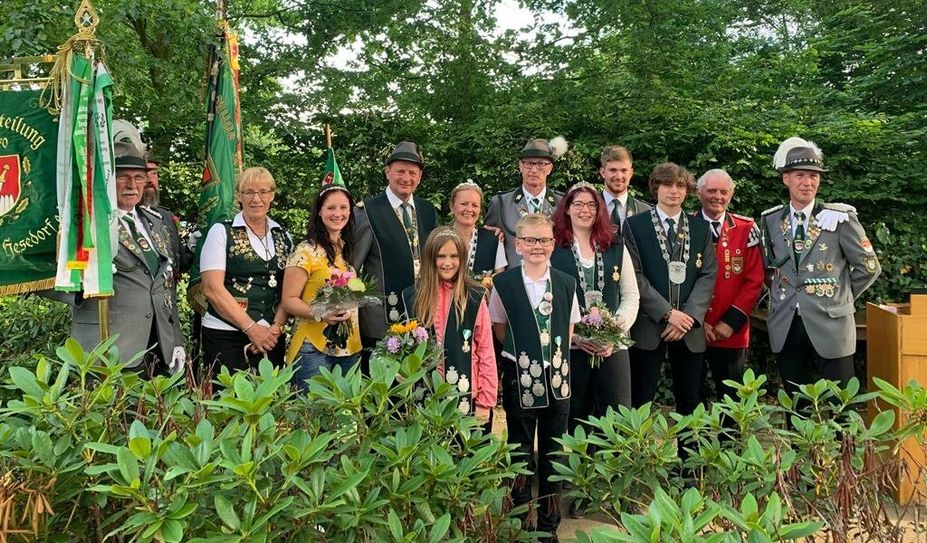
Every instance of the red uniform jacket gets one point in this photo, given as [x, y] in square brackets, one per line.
[739, 280]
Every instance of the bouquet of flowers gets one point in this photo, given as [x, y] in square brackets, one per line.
[602, 330]
[343, 291]
[401, 340]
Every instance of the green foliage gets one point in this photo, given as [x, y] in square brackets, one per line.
[31, 326]
[743, 456]
[357, 460]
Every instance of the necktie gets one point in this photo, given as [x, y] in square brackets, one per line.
[671, 234]
[798, 243]
[616, 217]
[407, 221]
[536, 205]
[715, 230]
[151, 258]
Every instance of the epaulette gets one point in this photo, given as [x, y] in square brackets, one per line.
[741, 217]
[843, 208]
[773, 209]
[359, 204]
[753, 238]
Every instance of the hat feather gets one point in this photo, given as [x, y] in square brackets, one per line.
[126, 134]
[785, 147]
[558, 147]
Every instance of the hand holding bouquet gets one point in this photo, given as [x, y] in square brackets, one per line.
[343, 292]
[600, 331]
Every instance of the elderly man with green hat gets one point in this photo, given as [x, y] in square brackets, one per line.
[820, 261]
[389, 232]
[505, 209]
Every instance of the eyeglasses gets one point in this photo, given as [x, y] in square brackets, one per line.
[137, 179]
[543, 242]
[248, 194]
[578, 206]
[534, 165]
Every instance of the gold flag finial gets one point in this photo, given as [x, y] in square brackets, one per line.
[86, 19]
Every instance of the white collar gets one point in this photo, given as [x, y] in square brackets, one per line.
[663, 216]
[540, 195]
[719, 219]
[622, 198]
[396, 201]
[529, 281]
[239, 220]
[806, 210]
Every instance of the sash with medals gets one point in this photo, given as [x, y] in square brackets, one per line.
[538, 340]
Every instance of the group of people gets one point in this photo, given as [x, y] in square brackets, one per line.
[502, 297]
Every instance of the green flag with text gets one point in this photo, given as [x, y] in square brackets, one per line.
[28, 199]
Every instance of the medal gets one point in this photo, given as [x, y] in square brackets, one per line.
[525, 379]
[556, 380]
[527, 399]
[798, 245]
[523, 362]
[698, 261]
[809, 289]
[393, 315]
[466, 342]
[464, 406]
[545, 308]
[565, 369]
[451, 376]
[272, 282]
[615, 274]
[537, 389]
[565, 390]
[677, 272]
[392, 299]
[545, 338]
[463, 384]
[535, 369]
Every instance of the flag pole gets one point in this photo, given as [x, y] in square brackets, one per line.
[328, 136]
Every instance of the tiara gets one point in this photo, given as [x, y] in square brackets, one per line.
[448, 231]
[581, 185]
[468, 184]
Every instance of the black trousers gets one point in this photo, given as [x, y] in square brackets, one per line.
[597, 389]
[227, 348]
[687, 371]
[726, 364]
[549, 423]
[798, 358]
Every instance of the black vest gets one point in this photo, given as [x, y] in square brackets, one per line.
[247, 275]
[654, 267]
[457, 344]
[563, 260]
[487, 244]
[523, 337]
[398, 270]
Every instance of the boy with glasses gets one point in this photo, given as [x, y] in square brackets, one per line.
[533, 308]
[505, 209]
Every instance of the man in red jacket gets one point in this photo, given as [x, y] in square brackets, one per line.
[738, 282]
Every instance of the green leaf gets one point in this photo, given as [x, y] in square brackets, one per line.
[882, 423]
[26, 382]
[172, 531]
[440, 528]
[128, 466]
[139, 442]
[394, 525]
[226, 512]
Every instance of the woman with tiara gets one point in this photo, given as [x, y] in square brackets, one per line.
[485, 255]
[589, 248]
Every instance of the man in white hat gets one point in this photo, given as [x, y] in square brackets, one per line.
[820, 261]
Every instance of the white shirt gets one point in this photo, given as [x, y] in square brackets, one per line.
[213, 257]
[612, 201]
[529, 197]
[719, 220]
[663, 216]
[807, 210]
[396, 201]
[627, 287]
[139, 223]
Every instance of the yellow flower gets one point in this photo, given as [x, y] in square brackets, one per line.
[356, 285]
[403, 328]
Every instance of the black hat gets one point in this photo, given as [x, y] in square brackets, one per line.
[541, 148]
[803, 158]
[407, 151]
[128, 157]
[798, 154]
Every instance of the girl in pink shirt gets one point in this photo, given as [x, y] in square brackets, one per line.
[451, 304]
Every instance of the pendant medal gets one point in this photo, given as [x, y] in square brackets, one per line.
[451, 376]
[272, 282]
[463, 384]
[677, 272]
[545, 308]
[545, 338]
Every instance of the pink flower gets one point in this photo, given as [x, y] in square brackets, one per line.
[420, 334]
[348, 275]
[393, 344]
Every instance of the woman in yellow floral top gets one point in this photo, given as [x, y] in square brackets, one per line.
[328, 245]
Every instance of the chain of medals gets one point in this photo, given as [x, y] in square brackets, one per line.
[592, 297]
[545, 308]
[677, 269]
[471, 258]
[272, 282]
